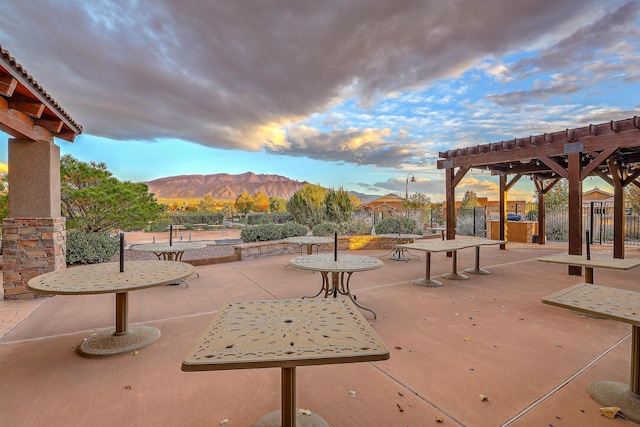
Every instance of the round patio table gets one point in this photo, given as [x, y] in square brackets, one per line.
[106, 278]
[309, 242]
[398, 251]
[346, 264]
[168, 252]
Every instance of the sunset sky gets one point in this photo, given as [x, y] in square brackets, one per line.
[341, 93]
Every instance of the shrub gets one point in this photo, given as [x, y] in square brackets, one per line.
[292, 229]
[397, 224]
[267, 232]
[353, 228]
[87, 247]
[324, 229]
[265, 218]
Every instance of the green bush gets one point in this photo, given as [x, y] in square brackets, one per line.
[268, 232]
[87, 247]
[397, 224]
[324, 229]
[353, 228]
[292, 229]
[265, 218]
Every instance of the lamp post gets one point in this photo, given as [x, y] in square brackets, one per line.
[406, 188]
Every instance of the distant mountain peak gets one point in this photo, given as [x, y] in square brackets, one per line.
[223, 186]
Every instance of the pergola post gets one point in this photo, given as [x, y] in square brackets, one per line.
[542, 212]
[450, 198]
[502, 204]
[575, 209]
[618, 208]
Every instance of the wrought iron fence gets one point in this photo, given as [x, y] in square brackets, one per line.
[597, 217]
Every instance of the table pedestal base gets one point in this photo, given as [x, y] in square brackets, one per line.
[108, 344]
[477, 271]
[610, 393]
[455, 276]
[274, 419]
[429, 283]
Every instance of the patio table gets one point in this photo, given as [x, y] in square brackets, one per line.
[285, 334]
[398, 251]
[590, 264]
[309, 242]
[477, 243]
[175, 229]
[168, 252]
[616, 304]
[346, 264]
[453, 245]
[106, 278]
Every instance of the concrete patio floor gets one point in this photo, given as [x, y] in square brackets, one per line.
[489, 335]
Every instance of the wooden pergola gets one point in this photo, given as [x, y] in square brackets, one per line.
[609, 150]
[33, 236]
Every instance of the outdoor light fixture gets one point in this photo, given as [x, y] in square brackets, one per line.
[406, 187]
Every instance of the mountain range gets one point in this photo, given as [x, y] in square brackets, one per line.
[223, 186]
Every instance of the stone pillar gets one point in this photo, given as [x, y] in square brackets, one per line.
[33, 236]
[30, 247]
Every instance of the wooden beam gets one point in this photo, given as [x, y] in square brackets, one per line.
[557, 168]
[459, 175]
[631, 178]
[20, 125]
[497, 154]
[7, 85]
[34, 109]
[54, 126]
[604, 155]
[606, 178]
[513, 181]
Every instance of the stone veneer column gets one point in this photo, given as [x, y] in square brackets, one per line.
[30, 247]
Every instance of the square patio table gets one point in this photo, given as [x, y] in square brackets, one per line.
[615, 304]
[285, 334]
[590, 264]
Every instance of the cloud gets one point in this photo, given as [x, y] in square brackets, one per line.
[252, 75]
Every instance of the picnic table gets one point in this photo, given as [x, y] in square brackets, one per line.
[285, 334]
[619, 305]
[593, 262]
[175, 229]
[453, 245]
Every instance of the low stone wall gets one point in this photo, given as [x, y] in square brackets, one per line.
[247, 251]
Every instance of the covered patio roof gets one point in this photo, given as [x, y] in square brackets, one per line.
[27, 111]
[609, 150]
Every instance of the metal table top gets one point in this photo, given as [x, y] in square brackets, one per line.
[285, 333]
[595, 262]
[106, 277]
[165, 247]
[345, 263]
[612, 303]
